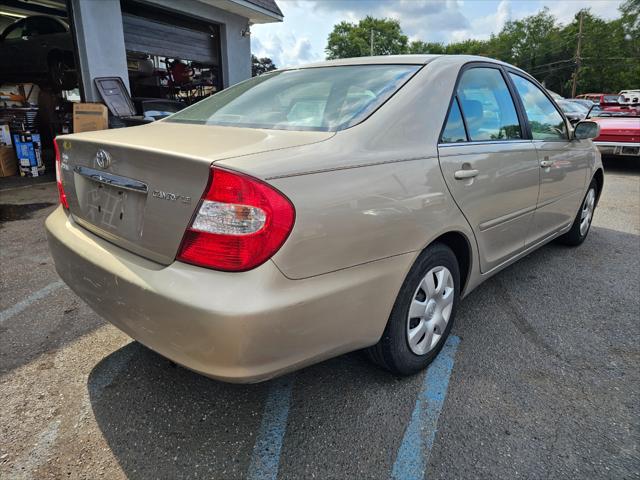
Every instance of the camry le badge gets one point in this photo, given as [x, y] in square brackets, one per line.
[172, 197]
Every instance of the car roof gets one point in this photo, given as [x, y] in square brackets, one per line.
[24, 19]
[395, 60]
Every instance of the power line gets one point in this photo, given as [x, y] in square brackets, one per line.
[553, 63]
[551, 70]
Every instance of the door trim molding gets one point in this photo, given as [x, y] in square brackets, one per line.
[505, 218]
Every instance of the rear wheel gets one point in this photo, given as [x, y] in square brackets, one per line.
[422, 315]
[582, 223]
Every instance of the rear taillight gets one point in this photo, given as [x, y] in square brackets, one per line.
[241, 222]
[61, 194]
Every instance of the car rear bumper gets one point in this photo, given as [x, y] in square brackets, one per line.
[239, 327]
[619, 148]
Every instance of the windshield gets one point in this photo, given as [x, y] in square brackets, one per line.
[321, 99]
[570, 107]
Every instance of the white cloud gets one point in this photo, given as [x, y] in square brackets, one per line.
[302, 37]
[566, 11]
[286, 50]
[481, 27]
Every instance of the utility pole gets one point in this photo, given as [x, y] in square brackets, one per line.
[371, 44]
[578, 59]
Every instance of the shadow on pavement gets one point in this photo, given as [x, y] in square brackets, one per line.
[163, 421]
[541, 381]
[628, 165]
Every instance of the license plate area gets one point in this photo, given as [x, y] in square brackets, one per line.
[117, 210]
[630, 151]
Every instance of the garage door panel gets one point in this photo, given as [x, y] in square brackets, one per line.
[149, 36]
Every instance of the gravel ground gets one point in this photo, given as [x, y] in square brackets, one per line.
[545, 382]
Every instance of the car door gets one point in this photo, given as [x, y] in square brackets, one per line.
[490, 166]
[44, 34]
[563, 162]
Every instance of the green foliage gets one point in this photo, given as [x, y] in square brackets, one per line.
[261, 65]
[539, 44]
[354, 40]
[434, 48]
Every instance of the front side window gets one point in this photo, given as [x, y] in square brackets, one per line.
[321, 99]
[545, 121]
[487, 106]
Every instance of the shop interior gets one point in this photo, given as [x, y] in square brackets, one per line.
[172, 62]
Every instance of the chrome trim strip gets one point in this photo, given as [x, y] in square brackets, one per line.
[616, 144]
[113, 180]
[485, 142]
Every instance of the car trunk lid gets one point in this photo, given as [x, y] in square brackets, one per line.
[139, 187]
[619, 129]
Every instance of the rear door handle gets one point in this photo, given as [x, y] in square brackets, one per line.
[462, 174]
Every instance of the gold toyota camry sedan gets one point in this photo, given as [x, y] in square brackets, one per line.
[313, 211]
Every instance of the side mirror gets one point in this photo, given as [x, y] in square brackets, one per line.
[586, 129]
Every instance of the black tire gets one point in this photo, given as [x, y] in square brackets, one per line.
[576, 236]
[393, 351]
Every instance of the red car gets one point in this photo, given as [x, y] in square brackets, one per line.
[619, 130]
[601, 98]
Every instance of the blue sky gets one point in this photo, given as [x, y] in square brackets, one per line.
[302, 37]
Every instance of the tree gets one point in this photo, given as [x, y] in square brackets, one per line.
[419, 47]
[261, 65]
[539, 44]
[356, 40]
[631, 18]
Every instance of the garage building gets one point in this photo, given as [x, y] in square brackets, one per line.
[166, 53]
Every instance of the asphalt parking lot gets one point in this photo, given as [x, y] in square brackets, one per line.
[541, 380]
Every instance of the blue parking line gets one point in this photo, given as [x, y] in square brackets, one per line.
[413, 455]
[265, 459]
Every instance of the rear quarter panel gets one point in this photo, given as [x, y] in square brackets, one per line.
[354, 216]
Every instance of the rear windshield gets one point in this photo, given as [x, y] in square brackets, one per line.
[321, 99]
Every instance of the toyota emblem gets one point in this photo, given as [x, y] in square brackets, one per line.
[103, 159]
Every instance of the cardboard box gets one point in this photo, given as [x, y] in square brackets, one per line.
[8, 162]
[88, 117]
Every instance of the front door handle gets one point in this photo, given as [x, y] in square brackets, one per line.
[546, 163]
[462, 174]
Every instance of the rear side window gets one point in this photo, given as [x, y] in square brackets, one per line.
[322, 99]
[545, 121]
[15, 31]
[454, 131]
[487, 106]
[43, 26]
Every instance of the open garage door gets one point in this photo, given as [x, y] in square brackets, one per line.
[170, 56]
